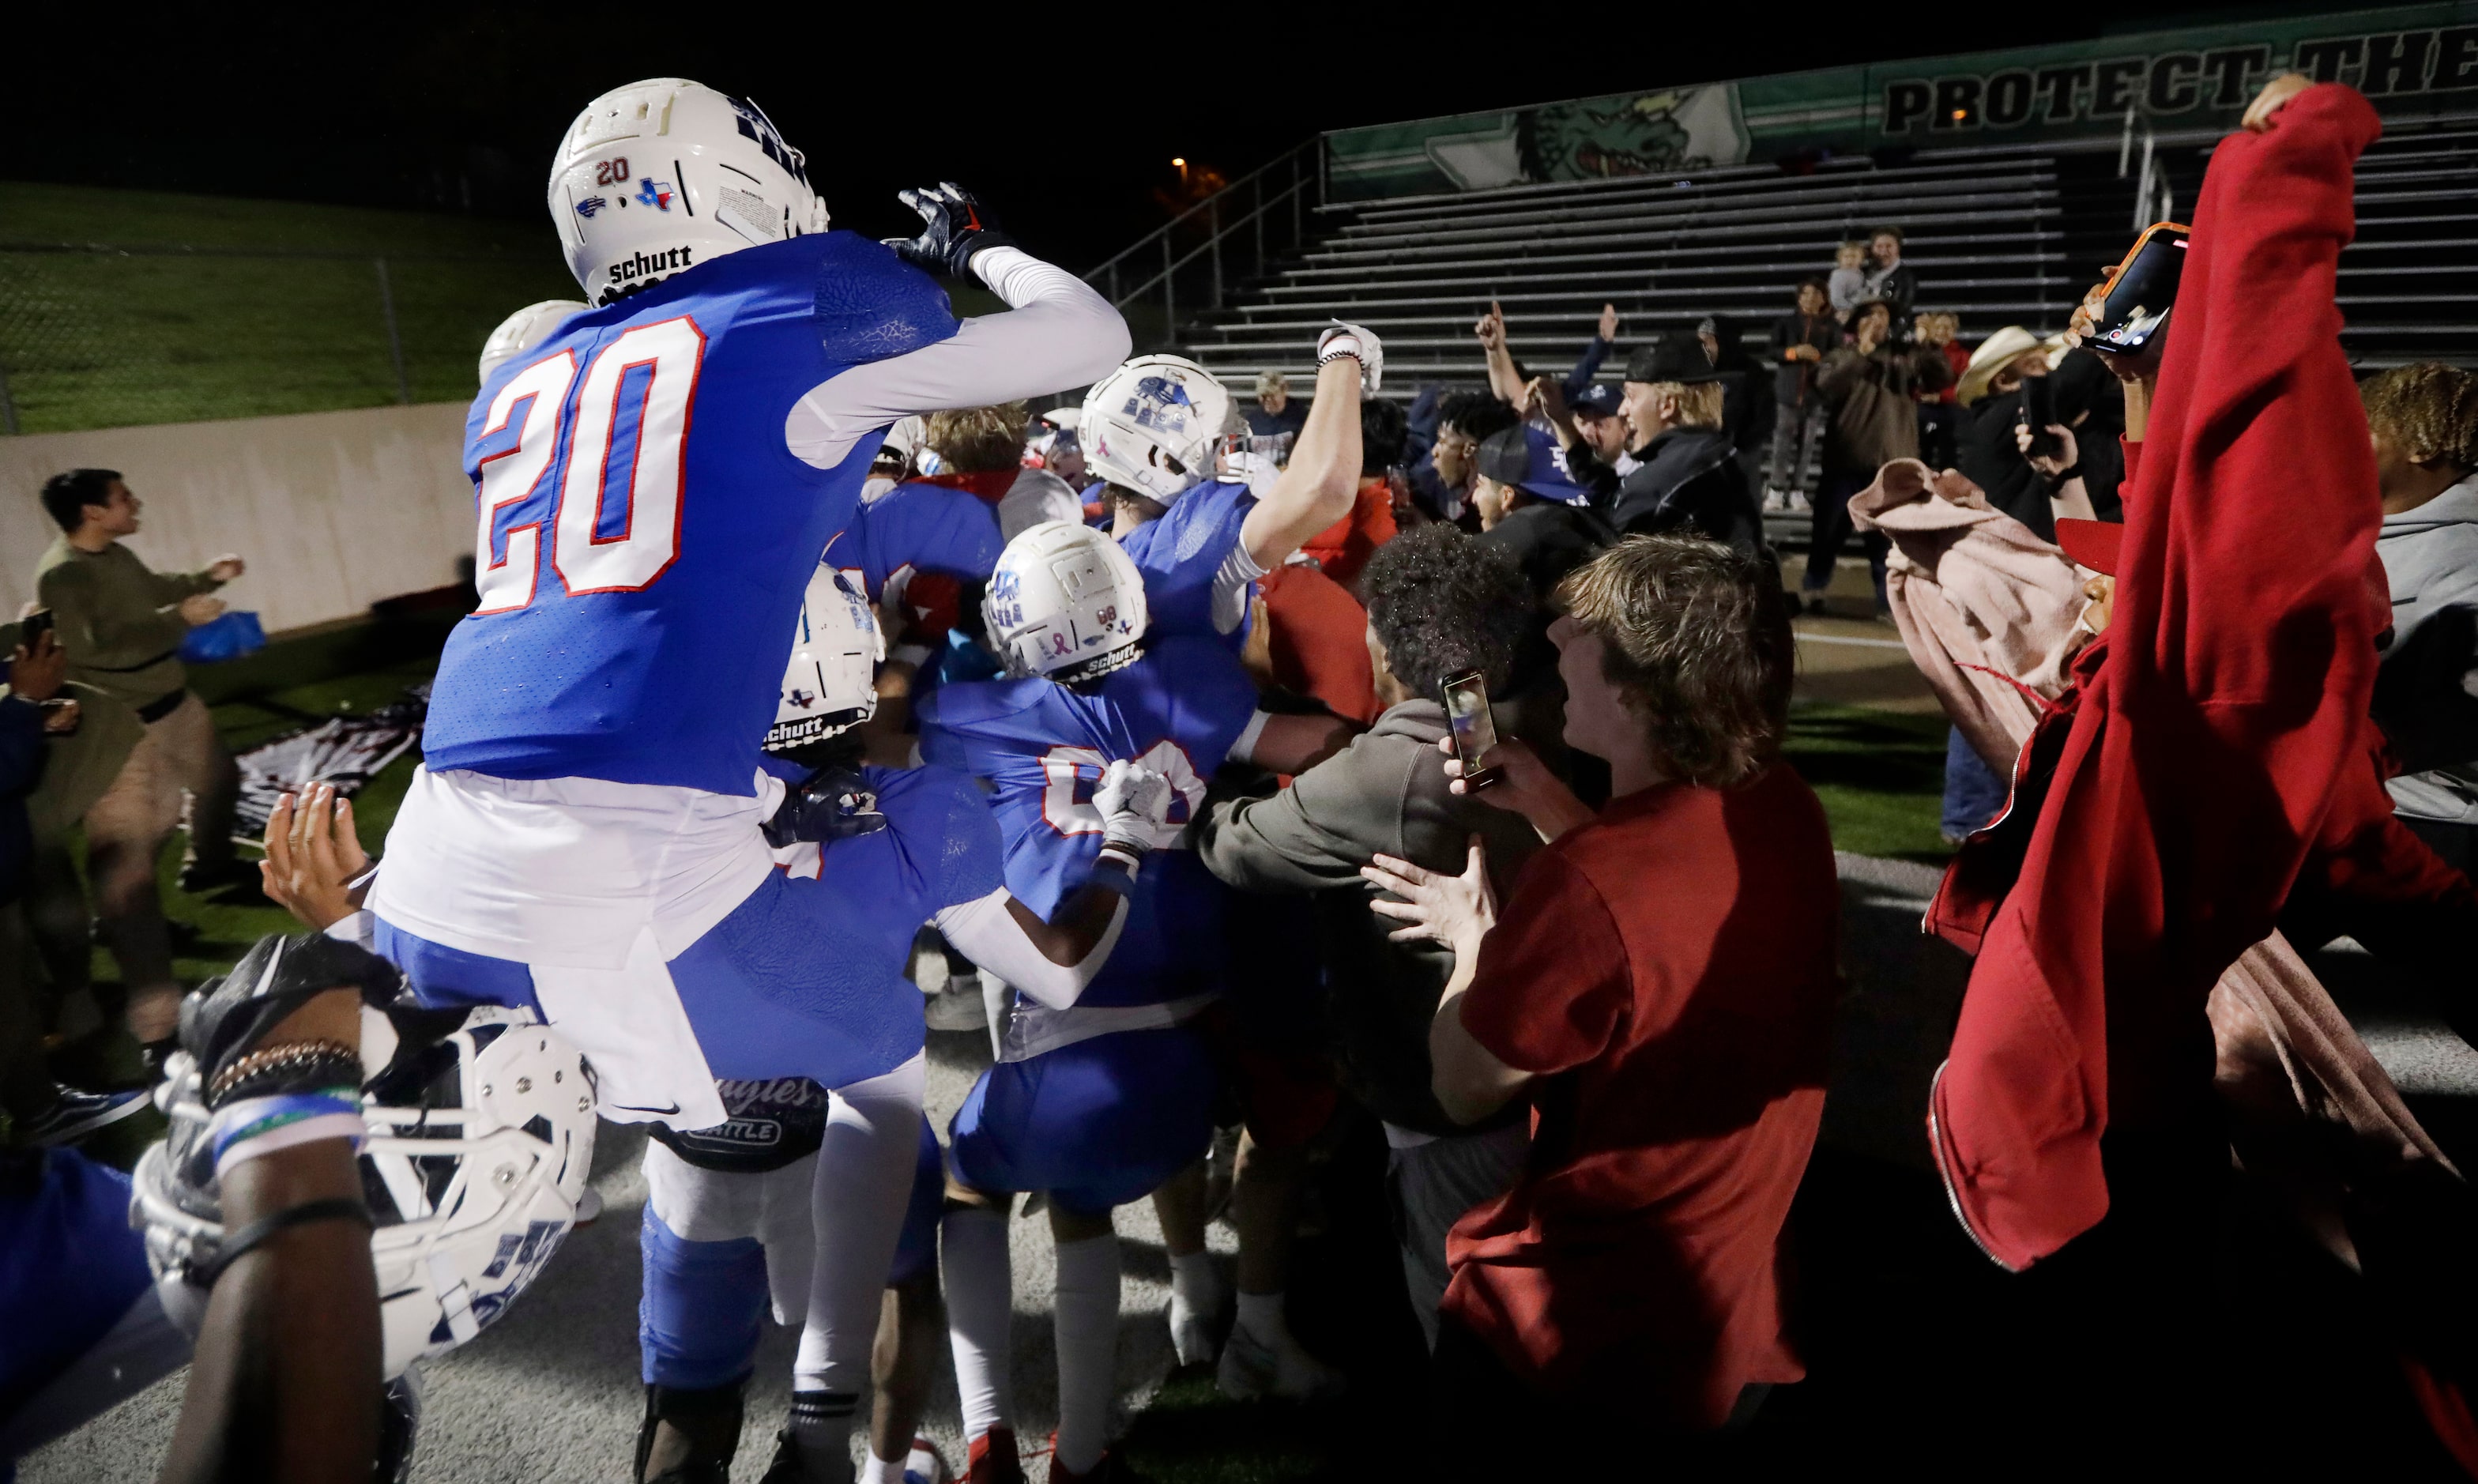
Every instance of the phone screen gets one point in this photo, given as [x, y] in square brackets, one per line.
[2039, 412]
[2144, 292]
[1475, 729]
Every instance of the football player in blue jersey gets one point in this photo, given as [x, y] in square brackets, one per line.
[737, 1212]
[655, 481]
[1101, 1101]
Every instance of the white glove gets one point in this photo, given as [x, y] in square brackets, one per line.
[1134, 802]
[1348, 340]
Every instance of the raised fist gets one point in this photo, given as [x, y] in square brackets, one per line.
[952, 229]
[1361, 344]
[1134, 802]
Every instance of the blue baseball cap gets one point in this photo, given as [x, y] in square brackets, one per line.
[1599, 397]
[1526, 458]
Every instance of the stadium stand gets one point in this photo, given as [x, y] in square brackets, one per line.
[1997, 235]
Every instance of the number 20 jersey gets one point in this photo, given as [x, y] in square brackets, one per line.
[644, 533]
[1044, 746]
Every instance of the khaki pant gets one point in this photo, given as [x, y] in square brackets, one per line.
[125, 830]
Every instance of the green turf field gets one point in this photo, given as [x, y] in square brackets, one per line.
[103, 340]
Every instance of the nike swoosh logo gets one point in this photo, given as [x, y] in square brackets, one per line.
[633, 1108]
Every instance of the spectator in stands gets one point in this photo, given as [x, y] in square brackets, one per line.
[122, 625]
[1662, 983]
[1886, 277]
[1465, 419]
[1598, 418]
[1868, 388]
[1530, 510]
[1275, 415]
[1440, 604]
[1687, 477]
[1937, 411]
[1801, 339]
[2424, 419]
[1848, 284]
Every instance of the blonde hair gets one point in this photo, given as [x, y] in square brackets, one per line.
[1697, 640]
[2428, 411]
[1699, 404]
[1268, 381]
[976, 440]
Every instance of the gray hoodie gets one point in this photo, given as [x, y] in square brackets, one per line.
[2426, 690]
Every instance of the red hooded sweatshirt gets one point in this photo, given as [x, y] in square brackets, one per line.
[2220, 739]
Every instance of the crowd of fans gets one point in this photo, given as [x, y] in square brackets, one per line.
[1584, 977]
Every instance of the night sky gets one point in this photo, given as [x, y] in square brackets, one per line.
[1065, 117]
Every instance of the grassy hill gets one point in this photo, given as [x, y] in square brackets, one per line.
[215, 307]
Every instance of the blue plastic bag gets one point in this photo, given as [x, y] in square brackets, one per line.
[228, 636]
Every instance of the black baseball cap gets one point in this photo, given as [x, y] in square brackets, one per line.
[1672, 358]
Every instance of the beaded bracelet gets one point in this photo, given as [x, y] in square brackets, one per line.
[292, 1064]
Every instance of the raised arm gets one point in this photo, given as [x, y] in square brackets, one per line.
[1060, 333]
[1316, 488]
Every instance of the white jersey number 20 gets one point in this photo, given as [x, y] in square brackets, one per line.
[614, 530]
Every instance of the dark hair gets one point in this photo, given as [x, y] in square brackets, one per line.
[1382, 427]
[1815, 282]
[1697, 640]
[1857, 312]
[1895, 233]
[66, 496]
[1442, 604]
[1476, 414]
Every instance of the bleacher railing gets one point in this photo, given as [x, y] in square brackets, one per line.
[1219, 241]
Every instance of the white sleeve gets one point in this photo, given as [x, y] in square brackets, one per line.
[1058, 333]
[1230, 582]
[1244, 748]
[985, 932]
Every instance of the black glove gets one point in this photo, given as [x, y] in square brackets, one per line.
[225, 1019]
[952, 229]
[833, 803]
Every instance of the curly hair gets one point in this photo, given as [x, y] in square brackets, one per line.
[1443, 604]
[976, 440]
[2428, 411]
[1476, 413]
[1697, 640]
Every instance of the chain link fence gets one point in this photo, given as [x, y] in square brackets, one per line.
[98, 335]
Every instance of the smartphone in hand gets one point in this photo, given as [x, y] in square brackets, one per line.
[1466, 697]
[33, 627]
[2038, 413]
[2143, 290]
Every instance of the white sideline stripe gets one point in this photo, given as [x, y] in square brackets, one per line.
[1807, 638]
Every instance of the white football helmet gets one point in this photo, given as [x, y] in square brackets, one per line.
[665, 174]
[1065, 602]
[1153, 425]
[525, 329]
[830, 685]
[479, 1145]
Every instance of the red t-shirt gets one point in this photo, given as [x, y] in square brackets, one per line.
[1669, 970]
[1345, 546]
[1318, 641]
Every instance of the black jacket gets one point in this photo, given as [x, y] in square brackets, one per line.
[1688, 480]
[1547, 541]
[1794, 384]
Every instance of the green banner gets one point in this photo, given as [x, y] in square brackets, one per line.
[2408, 60]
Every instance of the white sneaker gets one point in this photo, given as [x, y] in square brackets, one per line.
[1775, 501]
[958, 1009]
[1252, 1370]
[1191, 1332]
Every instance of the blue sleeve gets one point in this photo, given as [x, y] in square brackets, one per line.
[870, 305]
[1587, 367]
[69, 1264]
[21, 746]
[929, 528]
[949, 831]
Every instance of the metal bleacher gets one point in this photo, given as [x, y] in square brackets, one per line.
[1997, 235]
